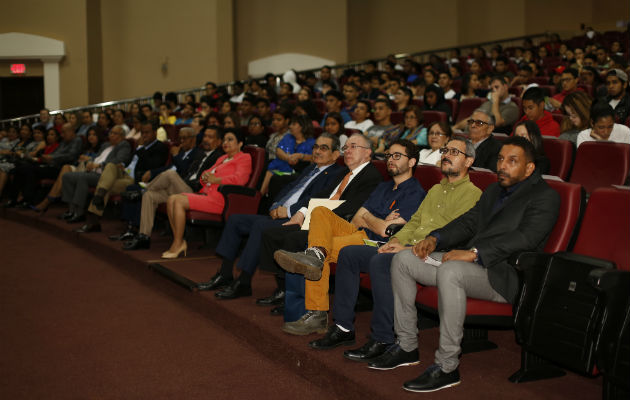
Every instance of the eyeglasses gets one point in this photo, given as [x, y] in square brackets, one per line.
[255, 124]
[353, 147]
[477, 122]
[436, 134]
[322, 147]
[452, 151]
[395, 156]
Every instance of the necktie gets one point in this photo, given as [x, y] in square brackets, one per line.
[300, 186]
[342, 186]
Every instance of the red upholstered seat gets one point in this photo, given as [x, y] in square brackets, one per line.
[428, 176]
[482, 179]
[397, 117]
[599, 164]
[467, 106]
[560, 154]
[434, 116]
[382, 168]
[454, 104]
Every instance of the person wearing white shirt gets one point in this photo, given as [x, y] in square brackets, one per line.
[603, 127]
[360, 117]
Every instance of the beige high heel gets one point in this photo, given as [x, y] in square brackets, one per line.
[171, 255]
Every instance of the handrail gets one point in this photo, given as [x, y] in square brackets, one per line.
[198, 90]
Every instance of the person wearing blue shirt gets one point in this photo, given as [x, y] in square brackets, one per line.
[334, 103]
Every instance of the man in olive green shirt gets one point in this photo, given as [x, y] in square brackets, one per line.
[453, 196]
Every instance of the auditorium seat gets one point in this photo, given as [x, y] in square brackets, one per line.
[560, 154]
[397, 117]
[467, 106]
[600, 164]
[454, 104]
[428, 176]
[434, 116]
[482, 179]
[381, 165]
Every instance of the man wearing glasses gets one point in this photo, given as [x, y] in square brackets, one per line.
[392, 202]
[480, 125]
[514, 215]
[288, 201]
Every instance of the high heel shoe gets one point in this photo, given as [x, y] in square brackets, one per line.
[175, 254]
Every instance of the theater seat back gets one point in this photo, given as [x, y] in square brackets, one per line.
[599, 164]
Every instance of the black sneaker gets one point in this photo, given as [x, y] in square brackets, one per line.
[433, 379]
[395, 357]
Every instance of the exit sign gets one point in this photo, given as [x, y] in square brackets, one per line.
[18, 69]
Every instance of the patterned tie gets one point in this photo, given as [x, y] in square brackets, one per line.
[342, 186]
[298, 186]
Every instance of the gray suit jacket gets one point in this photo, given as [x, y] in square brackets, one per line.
[522, 223]
[121, 154]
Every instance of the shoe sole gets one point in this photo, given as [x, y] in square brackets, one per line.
[432, 390]
[304, 333]
[290, 265]
[409, 364]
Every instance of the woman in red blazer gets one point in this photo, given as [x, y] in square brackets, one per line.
[232, 168]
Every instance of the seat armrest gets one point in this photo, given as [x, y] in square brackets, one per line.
[236, 189]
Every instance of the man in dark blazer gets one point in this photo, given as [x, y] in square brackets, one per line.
[353, 185]
[480, 126]
[75, 185]
[288, 202]
[514, 215]
[181, 177]
[115, 178]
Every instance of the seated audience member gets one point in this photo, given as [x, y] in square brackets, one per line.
[246, 109]
[44, 119]
[104, 123]
[534, 109]
[504, 110]
[94, 144]
[411, 129]
[293, 152]
[166, 118]
[325, 75]
[183, 179]
[334, 101]
[285, 95]
[434, 101]
[618, 98]
[350, 97]
[457, 195]
[352, 184]
[392, 202]
[445, 80]
[255, 132]
[76, 184]
[402, 98]
[210, 95]
[231, 120]
[603, 126]
[577, 107]
[568, 81]
[23, 145]
[280, 125]
[119, 120]
[501, 68]
[483, 238]
[263, 109]
[232, 168]
[305, 94]
[186, 114]
[86, 123]
[480, 127]
[360, 117]
[27, 176]
[308, 108]
[430, 77]
[334, 126]
[439, 134]
[529, 130]
[158, 99]
[238, 93]
[470, 83]
[115, 178]
[382, 123]
[317, 177]
[523, 76]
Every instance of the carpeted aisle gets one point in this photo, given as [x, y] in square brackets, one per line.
[74, 327]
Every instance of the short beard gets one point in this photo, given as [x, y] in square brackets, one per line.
[450, 172]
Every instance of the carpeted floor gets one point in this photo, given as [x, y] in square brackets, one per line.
[80, 318]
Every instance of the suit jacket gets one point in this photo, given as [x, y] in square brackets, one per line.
[487, 153]
[151, 158]
[315, 186]
[357, 191]
[522, 223]
[121, 154]
[181, 162]
[198, 165]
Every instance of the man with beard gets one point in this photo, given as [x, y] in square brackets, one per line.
[514, 215]
[392, 202]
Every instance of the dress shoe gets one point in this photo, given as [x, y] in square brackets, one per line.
[235, 290]
[433, 379]
[335, 337]
[305, 263]
[138, 242]
[216, 282]
[311, 322]
[65, 216]
[22, 205]
[171, 255]
[395, 357]
[277, 311]
[129, 234]
[10, 204]
[76, 219]
[368, 352]
[89, 228]
[276, 299]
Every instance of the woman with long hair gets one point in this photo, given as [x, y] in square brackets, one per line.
[577, 106]
[530, 131]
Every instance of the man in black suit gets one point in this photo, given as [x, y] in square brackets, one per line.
[353, 185]
[115, 177]
[188, 166]
[480, 125]
[289, 201]
[514, 215]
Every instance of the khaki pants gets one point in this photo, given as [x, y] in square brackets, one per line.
[113, 180]
[167, 183]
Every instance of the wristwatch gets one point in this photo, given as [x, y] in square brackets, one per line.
[474, 250]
